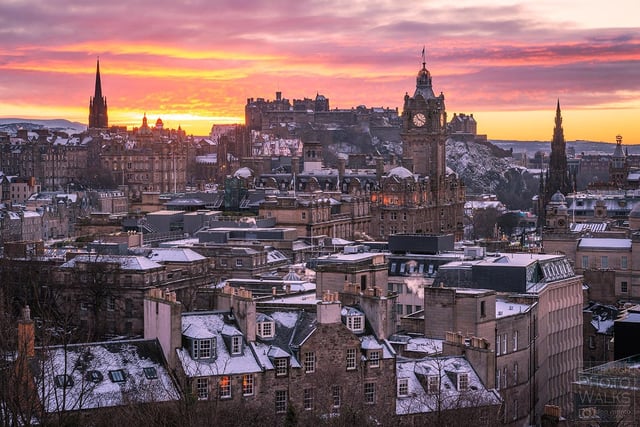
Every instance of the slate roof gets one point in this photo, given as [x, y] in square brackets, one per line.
[419, 400]
[89, 383]
[127, 262]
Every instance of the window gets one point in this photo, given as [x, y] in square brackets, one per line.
[497, 345]
[370, 393]
[515, 409]
[281, 401]
[203, 349]
[483, 309]
[394, 216]
[309, 362]
[63, 381]
[236, 345]
[498, 379]
[94, 376]
[604, 262]
[354, 323]
[374, 358]
[335, 395]
[238, 262]
[84, 306]
[399, 308]
[515, 340]
[624, 287]
[150, 373]
[308, 399]
[382, 215]
[592, 342]
[504, 344]
[117, 376]
[265, 329]
[223, 262]
[433, 384]
[304, 215]
[585, 261]
[247, 385]
[504, 377]
[408, 309]
[515, 373]
[624, 263]
[281, 367]
[463, 381]
[111, 303]
[224, 387]
[403, 387]
[351, 359]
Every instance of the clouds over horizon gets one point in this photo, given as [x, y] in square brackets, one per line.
[205, 58]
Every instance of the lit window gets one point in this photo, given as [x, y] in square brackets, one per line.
[463, 382]
[369, 393]
[117, 376]
[224, 387]
[281, 401]
[351, 359]
[236, 345]
[310, 362]
[433, 384]
[150, 373]
[403, 387]
[308, 399]
[281, 367]
[335, 394]
[203, 349]
[247, 385]
[374, 358]
[202, 388]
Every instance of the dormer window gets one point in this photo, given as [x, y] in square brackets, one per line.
[236, 344]
[403, 387]
[355, 323]
[266, 329]
[203, 348]
[281, 364]
[374, 358]
[463, 381]
[433, 384]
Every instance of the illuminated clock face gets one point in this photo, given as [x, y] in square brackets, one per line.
[419, 120]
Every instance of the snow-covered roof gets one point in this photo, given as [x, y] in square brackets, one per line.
[401, 172]
[604, 243]
[506, 308]
[213, 325]
[418, 400]
[91, 382]
[161, 255]
[127, 262]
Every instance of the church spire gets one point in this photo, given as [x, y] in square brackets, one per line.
[98, 91]
[98, 117]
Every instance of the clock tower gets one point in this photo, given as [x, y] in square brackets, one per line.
[424, 124]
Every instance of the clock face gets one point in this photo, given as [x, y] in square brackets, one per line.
[419, 120]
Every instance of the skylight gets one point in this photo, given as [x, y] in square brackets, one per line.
[117, 376]
[94, 376]
[150, 373]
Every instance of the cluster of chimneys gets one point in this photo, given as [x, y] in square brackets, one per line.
[239, 292]
[459, 338]
[165, 295]
[329, 296]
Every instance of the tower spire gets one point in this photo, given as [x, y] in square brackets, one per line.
[98, 117]
[98, 90]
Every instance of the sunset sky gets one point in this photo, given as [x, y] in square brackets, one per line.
[194, 63]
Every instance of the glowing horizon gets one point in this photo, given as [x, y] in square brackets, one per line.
[506, 62]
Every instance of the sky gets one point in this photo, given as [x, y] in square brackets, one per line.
[194, 63]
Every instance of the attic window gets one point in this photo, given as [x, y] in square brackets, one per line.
[433, 384]
[150, 373]
[463, 381]
[117, 376]
[266, 329]
[355, 323]
[374, 358]
[236, 344]
[94, 376]
[403, 387]
[203, 348]
[63, 381]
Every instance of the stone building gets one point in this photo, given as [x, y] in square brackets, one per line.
[423, 196]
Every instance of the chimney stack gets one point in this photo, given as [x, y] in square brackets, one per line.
[26, 334]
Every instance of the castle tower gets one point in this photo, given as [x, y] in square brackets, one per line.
[423, 134]
[98, 105]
